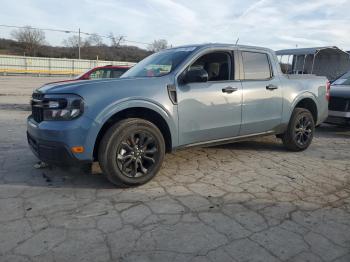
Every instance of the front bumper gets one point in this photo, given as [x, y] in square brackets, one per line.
[338, 117]
[51, 141]
[339, 114]
[52, 152]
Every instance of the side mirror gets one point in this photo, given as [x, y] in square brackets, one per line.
[196, 75]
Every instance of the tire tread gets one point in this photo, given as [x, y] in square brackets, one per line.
[107, 142]
[288, 136]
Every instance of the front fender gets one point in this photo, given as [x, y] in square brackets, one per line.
[168, 114]
[121, 105]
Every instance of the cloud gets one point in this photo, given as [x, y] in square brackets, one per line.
[272, 23]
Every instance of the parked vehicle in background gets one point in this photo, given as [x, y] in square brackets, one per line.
[339, 104]
[108, 71]
[328, 61]
[180, 97]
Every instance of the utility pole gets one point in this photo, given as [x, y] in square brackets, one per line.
[79, 43]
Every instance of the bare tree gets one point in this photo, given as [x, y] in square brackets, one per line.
[94, 40]
[72, 41]
[31, 38]
[158, 45]
[115, 40]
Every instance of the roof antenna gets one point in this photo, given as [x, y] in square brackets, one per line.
[237, 41]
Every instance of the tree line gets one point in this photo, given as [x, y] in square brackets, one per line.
[32, 42]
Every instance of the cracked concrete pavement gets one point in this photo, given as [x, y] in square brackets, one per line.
[249, 201]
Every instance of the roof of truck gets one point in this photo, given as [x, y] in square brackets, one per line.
[218, 45]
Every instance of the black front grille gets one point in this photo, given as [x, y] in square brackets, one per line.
[37, 110]
[37, 114]
[339, 104]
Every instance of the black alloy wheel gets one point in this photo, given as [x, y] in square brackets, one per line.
[303, 130]
[137, 154]
[131, 152]
[300, 131]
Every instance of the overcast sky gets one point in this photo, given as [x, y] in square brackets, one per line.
[271, 23]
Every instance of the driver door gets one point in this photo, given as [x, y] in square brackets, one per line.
[210, 110]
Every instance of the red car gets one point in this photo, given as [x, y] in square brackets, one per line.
[108, 71]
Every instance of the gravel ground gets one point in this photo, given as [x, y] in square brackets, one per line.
[249, 201]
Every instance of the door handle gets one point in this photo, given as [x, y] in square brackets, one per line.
[271, 87]
[229, 89]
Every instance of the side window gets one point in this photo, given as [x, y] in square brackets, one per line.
[256, 66]
[217, 65]
[100, 73]
[116, 73]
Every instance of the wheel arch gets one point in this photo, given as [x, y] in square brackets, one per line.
[307, 101]
[146, 113]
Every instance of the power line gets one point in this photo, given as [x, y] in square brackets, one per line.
[74, 32]
[44, 29]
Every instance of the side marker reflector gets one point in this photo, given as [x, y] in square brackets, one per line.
[77, 149]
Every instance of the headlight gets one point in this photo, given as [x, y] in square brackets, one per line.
[62, 107]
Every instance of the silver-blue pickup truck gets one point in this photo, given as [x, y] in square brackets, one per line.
[187, 96]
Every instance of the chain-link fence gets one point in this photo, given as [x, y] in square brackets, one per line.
[10, 64]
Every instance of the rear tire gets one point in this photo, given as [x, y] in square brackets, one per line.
[131, 152]
[300, 130]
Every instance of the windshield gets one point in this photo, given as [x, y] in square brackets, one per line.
[159, 64]
[343, 80]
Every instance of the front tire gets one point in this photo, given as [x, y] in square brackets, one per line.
[131, 152]
[300, 130]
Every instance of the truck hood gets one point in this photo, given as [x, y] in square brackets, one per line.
[340, 91]
[88, 87]
[75, 86]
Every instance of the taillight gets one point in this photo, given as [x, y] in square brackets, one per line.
[328, 90]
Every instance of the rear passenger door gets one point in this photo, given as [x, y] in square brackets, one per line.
[262, 93]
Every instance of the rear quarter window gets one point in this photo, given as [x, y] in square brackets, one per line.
[256, 66]
[116, 73]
